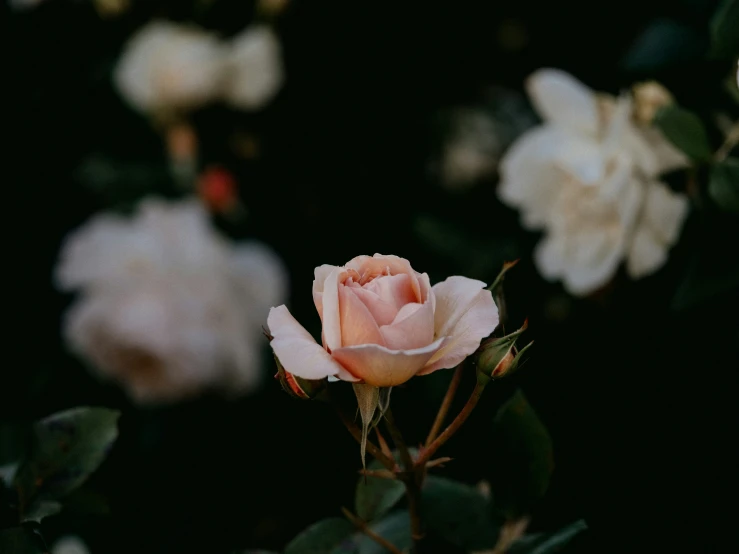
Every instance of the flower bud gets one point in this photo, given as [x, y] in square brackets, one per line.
[218, 190]
[499, 356]
[298, 387]
[649, 97]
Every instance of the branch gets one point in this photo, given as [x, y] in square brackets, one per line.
[364, 528]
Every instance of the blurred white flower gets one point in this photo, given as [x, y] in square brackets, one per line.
[167, 65]
[168, 307]
[171, 66]
[253, 68]
[69, 545]
[587, 177]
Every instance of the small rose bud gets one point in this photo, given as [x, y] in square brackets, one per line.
[297, 387]
[499, 356]
[217, 188]
[648, 98]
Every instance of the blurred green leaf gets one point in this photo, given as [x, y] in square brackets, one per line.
[725, 30]
[14, 441]
[66, 448]
[375, 496]
[723, 185]
[395, 528]
[526, 461]
[664, 43]
[41, 509]
[21, 540]
[548, 543]
[458, 513]
[685, 130]
[321, 537]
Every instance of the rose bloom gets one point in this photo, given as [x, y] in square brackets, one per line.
[168, 65]
[383, 323]
[588, 178]
[253, 68]
[168, 307]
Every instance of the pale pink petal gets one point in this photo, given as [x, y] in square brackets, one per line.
[380, 264]
[357, 324]
[466, 314]
[383, 312]
[321, 274]
[331, 319]
[394, 289]
[382, 367]
[562, 99]
[297, 351]
[413, 327]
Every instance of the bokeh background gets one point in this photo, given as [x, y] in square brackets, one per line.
[638, 390]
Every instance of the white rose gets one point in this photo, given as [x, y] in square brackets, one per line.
[168, 307]
[69, 545]
[167, 65]
[253, 62]
[587, 177]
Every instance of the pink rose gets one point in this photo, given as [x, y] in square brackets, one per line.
[383, 323]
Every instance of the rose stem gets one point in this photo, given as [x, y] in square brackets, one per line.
[454, 426]
[356, 432]
[364, 528]
[445, 404]
[412, 477]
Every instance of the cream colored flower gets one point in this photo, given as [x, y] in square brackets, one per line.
[471, 151]
[170, 66]
[253, 62]
[168, 307]
[69, 545]
[588, 177]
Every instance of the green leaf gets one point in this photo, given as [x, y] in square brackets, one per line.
[525, 463]
[685, 130]
[458, 513]
[725, 30]
[664, 43]
[321, 537]
[723, 185]
[375, 496]
[21, 540]
[66, 448]
[543, 543]
[41, 509]
[395, 528]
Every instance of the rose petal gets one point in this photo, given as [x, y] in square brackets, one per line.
[397, 290]
[379, 264]
[562, 99]
[664, 211]
[382, 367]
[357, 324]
[383, 312]
[466, 314]
[646, 255]
[297, 351]
[321, 273]
[412, 328]
[331, 319]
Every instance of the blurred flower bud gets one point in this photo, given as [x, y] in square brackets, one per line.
[298, 387]
[217, 189]
[648, 98]
[499, 356]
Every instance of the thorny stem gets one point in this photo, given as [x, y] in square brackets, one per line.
[445, 404]
[367, 530]
[356, 432]
[454, 426]
[405, 455]
[412, 477]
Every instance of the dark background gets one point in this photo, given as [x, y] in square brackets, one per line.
[640, 398]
